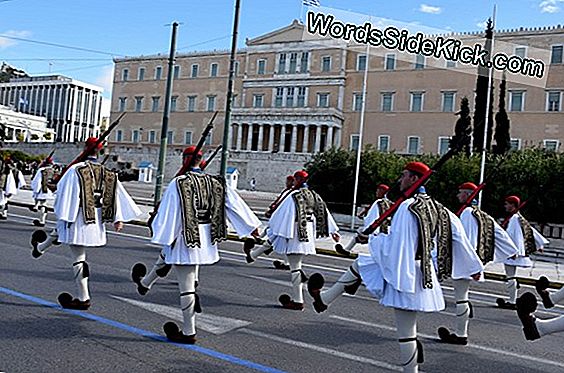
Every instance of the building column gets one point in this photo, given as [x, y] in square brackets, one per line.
[271, 138]
[329, 142]
[305, 143]
[230, 136]
[260, 137]
[317, 139]
[338, 132]
[250, 137]
[239, 136]
[294, 138]
[282, 138]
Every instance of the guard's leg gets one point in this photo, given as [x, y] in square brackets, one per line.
[512, 288]
[159, 270]
[463, 313]
[189, 304]
[298, 277]
[411, 350]
[252, 252]
[41, 241]
[81, 271]
[349, 282]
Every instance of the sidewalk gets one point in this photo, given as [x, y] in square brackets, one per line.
[543, 266]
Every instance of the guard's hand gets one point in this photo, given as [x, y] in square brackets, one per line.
[540, 250]
[476, 276]
[361, 238]
[118, 226]
[255, 233]
[336, 237]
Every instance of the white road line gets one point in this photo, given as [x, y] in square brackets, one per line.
[329, 351]
[471, 345]
[210, 323]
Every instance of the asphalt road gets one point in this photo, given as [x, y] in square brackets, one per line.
[242, 328]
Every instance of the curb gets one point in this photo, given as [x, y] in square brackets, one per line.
[232, 237]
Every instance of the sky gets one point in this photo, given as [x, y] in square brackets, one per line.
[142, 27]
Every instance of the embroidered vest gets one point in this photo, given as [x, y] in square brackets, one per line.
[5, 169]
[47, 174]
[433, 221]
[486, 235]
[310, 205]
[97, 190]
[202, 199]
[383, 205]
[528, 237]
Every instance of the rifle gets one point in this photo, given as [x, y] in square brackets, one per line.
[105, 159]
[186, 165]
[207, 162]
[405, 195]
[44, 161]
[89, 150]
[473, 195]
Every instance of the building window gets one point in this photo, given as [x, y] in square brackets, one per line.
[282, 63]
[236, 68]
[443, 144]
[326, 64]
[173, 101]
[279, 98]
[211, 103]
[416, 101]
[170, 137]
[450, 64]
[553, 101]
[138, 104]
[516, 100]
[135, 136]
[158, 73]
[213, 70]
[293, 63]
[419, 62]
[152, 136]
[176, 72]
[355, 140]
[119, 135]
[155, 105]
[125, 75]
[194, 71]
[301, 96]
[141, 73]
[304, 62]
[188, 137]
[520, 52]
[208, 140]
[448, 102]
[357, 102]
[413, 145]
[234, 102]
[361, 62]
[556, 56]
[323, 99]
[258, 100]
[290, 92]
[515, 144]
[191, 106]
[122, 101]
[261, 67]
[387, 101]
[384, 143]
[390, 61]
[551, 145]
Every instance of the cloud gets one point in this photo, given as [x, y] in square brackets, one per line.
[550, 6]
[6, 42]
[106, 79]
[424, 8]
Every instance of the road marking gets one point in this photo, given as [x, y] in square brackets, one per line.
[210, 323]
[147, 334]
[471, 345]
[344, 355]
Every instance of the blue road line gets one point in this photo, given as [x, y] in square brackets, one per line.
[116, 324]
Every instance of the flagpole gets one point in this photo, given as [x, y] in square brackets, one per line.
[487, 117]
[359, 149]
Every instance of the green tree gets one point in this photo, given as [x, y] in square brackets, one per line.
[502, 137]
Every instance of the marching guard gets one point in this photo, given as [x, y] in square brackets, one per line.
[8, 185]
[41, 192]
[527, 240]
[88, 195]
[190, 222]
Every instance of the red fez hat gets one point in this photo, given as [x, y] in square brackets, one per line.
[91, 141]
[417, 167]
[384, 187]
[301, 174]
[468, 186]
[290, 178]
[190, 150]
[513, 199]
